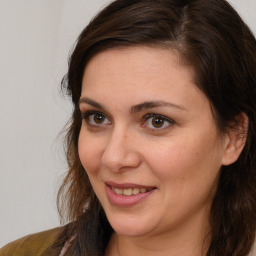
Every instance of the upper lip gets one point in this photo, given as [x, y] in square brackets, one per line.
[127, 185]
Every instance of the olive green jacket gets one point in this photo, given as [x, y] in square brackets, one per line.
[38, 244]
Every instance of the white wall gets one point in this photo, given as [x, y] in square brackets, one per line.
[35, 39]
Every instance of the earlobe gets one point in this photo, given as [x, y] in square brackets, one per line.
[234, 139]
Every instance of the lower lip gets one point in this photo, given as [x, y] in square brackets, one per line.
[126, 201]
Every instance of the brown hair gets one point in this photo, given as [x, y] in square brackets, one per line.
[209, 36]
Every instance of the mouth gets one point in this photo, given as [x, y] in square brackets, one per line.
[125, 195]
[130, 191]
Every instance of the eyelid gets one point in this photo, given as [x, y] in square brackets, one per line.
[155, 129]
[85, 115]
[146, 118]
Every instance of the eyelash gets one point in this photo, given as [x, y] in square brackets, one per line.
[163, 118]
[86, 116]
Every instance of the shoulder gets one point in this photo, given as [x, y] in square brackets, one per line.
[32, 245]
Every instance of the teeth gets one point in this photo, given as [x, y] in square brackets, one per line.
[143, 190]
[135, 191]
[129, 191]
[118, 191]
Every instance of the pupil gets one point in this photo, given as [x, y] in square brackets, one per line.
[98, 119]
[158, 122]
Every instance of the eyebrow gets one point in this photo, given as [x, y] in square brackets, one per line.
[153, 104]
[136, 108]
[91, 102]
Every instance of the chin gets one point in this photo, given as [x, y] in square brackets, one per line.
[131, 231]
[131, 226]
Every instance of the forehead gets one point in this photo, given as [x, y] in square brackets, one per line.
[137, 64]
[138, 71]
[140, 74]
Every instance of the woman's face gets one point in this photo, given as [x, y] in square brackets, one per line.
[148, 141]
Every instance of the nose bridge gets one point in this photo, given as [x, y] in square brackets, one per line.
[120, 150]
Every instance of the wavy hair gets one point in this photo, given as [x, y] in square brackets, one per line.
[210, 36]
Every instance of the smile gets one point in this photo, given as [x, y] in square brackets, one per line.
[130, 191]
[127, 195]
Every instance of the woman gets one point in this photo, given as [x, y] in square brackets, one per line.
[161, 145]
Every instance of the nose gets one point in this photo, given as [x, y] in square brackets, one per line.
[120, 152]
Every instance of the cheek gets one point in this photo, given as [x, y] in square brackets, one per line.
[188, 174]
[89, 152]
[186, 159]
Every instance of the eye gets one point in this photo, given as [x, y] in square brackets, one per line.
[95, 118]
[157, 122]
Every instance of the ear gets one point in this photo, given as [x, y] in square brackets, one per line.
[234, 139]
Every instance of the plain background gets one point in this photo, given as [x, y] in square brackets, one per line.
[36, 37]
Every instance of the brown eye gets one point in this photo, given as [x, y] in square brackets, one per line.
[157, 122]
[98, 118]
[94, 118]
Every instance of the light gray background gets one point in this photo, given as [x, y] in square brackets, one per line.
[35, 39]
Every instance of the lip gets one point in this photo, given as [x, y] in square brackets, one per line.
[127, 185]
[127, 201]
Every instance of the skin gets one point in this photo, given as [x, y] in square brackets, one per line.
[181, 159]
